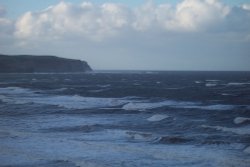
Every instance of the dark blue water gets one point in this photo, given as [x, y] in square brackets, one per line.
[132, 118]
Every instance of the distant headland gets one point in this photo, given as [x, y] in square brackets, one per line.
[40, 64]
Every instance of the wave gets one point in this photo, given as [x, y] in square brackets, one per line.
[197, 82]
[140, 136]
[19, 95]
[157, 117]
[97, 90]
[221, 107]
[172, 140]
[240, 131]
[212, 80]
[15, 90]
[210, 84]
[247, 150]
[238, 83]
[77, 102]
[241, 120]
[142, 106]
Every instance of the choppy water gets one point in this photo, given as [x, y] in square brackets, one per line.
[101, 119]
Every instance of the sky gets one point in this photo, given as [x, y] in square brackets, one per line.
[210, 35]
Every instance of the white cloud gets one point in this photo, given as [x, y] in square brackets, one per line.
[246, 6]
[98, 22]
[6, 25]
[199, 34]
[195, 15]
[65, 19]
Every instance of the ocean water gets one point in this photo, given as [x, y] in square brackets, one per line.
[125, 118]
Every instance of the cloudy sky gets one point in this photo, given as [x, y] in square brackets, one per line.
[135, 35]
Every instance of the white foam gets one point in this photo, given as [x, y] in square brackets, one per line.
[210, 84]
[24, 96]
[247, 150]
[18, 95]
[226, 94]
[212, 80]
[14, 90]
[221, 107]
[104, 86]
[240, 120]
[142, 106]
[157, 117]
[61, 89]
[240, 131]
[238, 83]
[147, 105]
[97, 90]
[175, 88]
[140, 136]
[77, 102]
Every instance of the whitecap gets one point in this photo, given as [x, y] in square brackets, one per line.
[104, 86]
[142, 106]
[78, 102]
[175, 88]
[240, 120]
[210, 84]
[145, 105]
[18, 95]
[247, 150]
[238, 83]
[212, 80]
[61, 89]
[97, 90]
[14, 90]
[157, 117]
[227, 94]
[221, 107]
[240, 131]
[140, 136]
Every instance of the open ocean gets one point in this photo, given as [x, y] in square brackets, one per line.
[125, 119]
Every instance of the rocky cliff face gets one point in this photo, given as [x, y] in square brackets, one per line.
[40, 64]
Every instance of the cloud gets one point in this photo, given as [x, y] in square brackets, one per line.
[193, 34]
[246, 6]
[6, 25]
[2, 11]
[196, 15]
[98, 22]
[65, 19]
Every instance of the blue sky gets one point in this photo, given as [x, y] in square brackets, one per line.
[131, 35]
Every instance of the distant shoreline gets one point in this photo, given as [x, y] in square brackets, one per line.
[41, 64]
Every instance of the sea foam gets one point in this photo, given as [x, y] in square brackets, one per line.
[240, 131]
[24, 96]
[240, 120]
[157, 117]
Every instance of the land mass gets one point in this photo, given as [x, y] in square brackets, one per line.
[40, 64]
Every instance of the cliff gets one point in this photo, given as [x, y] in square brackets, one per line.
[40, 64]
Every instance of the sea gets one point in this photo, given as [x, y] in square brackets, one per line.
[125, 119]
